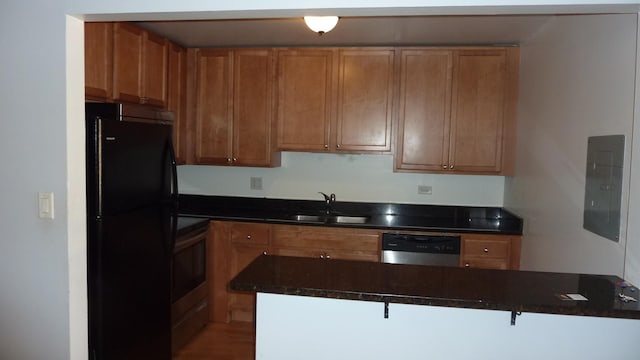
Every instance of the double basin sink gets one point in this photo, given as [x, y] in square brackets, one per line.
[331, 219]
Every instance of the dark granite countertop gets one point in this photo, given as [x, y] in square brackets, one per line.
[516, 291]
[438, 218]
[186, 224]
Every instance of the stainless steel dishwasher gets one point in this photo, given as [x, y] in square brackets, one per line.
[440, 250]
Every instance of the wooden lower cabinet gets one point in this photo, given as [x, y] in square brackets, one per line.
[326, 242]
[235, 245]
[490, 251]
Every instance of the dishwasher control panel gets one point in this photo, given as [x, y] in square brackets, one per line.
[440, 250]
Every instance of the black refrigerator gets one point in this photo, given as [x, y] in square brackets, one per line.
[131, 222]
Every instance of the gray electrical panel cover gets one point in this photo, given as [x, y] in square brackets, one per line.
[603, 188]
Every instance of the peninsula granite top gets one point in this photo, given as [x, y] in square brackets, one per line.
[509, 290]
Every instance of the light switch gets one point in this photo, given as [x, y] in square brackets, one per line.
[45, 205]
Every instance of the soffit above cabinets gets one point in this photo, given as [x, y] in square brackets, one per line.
[357, 31]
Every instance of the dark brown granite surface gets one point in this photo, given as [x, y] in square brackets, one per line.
[520, 291]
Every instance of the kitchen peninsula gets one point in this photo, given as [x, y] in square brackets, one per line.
[350, 309]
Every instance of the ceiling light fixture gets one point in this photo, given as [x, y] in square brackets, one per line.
[321, 24]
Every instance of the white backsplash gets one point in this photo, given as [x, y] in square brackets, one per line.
[350, 177]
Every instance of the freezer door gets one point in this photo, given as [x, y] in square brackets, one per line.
[134, 167]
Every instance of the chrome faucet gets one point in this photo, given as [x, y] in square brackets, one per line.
[328, 200]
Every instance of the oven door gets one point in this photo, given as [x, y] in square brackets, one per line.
[189, 311]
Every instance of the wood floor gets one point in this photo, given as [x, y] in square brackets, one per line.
[233, 341]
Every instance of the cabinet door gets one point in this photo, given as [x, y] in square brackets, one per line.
[154, 70]
[242, 305]
[305, 88]
[326, 242]
[253, 76]
[98, 60]
[176, 98]
[424, 110]
[365, 92]
[490, 251]
[214, 129]
[127, 62]
[477, 110]
[234, 245]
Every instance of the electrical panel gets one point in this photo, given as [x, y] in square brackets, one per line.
[603, 185]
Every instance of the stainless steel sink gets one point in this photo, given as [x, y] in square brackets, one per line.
[309, 218]
[332, 219]
[341, 219]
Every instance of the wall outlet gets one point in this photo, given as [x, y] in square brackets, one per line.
[256, 183]
[424, 190]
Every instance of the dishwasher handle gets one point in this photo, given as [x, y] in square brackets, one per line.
[435, 244]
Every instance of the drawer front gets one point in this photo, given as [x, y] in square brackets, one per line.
[310, 237]
[500, 264]
[328, 254]
[250, 233]
[487, 248]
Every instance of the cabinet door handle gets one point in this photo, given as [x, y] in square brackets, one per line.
[444, 167]
[338, 146]
[264, 253]
[248, 237]
[234, 159]
[486, 250]
[451, 166]
[228, 160]
[326, 146]
[467, 265]
[327, 256]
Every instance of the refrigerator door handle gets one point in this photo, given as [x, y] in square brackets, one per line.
[173, 196]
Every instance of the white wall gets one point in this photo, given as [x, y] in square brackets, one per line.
[34, 259]
[292, 327]
[350, 177]
[42, 313]
[576, 81]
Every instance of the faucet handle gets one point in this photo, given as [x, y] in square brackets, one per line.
[327, 198]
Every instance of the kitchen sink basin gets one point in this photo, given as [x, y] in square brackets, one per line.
[341, 219]
[331, 219]
[309, 218]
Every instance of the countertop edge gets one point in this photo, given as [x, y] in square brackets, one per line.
[244, 282]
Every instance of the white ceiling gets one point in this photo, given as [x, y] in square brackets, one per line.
[403, 30]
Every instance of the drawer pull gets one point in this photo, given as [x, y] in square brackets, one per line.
[249, 238]
[486, 250]
[467, 265]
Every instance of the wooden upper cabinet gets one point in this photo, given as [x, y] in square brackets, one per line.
[365, 93]
[305, 86]
[139, 66]
[457, 110]
[234, 108]
[176, 98]
[155, 52]
[253, 81]
[127, 62]
[477, 115]
[424, 109]
[214, 117]
[98, 60]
